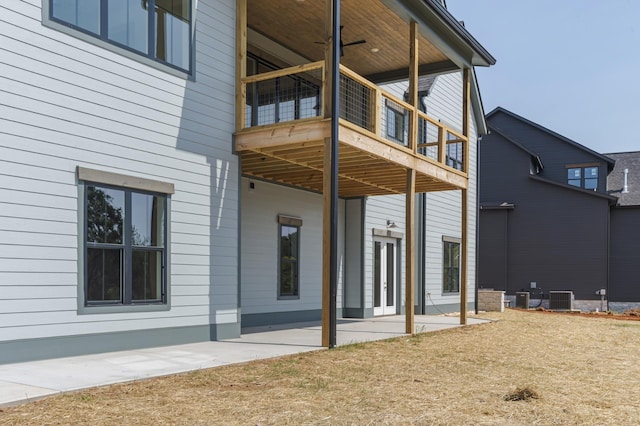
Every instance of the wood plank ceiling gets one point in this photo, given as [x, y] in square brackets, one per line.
[299, 25]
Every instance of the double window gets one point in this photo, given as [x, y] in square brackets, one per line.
[451, 265]
[157, 29]
[583, 177]
[125, 249]
[288, 257]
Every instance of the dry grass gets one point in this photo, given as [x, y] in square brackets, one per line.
[580, 370]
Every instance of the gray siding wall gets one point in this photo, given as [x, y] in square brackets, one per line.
[259, 254]
[443, 217]
[624, 285]
[66, 103]
[555, 153]
[556, 236]
[353, 253]
[444, 208]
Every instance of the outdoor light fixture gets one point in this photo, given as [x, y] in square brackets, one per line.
[391, 224]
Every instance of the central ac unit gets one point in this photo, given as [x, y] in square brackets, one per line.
[561, 300]
[522, 299]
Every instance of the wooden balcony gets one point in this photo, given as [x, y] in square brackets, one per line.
[283, 129]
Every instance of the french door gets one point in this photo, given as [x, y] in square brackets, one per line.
[384, 276]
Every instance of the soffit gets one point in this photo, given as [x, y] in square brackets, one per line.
[300, 26]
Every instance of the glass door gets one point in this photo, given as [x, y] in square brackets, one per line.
[384, 276]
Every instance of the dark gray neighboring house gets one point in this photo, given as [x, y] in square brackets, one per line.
[544, 211]
[624, 183]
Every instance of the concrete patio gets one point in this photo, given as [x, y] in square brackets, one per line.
[24, 382]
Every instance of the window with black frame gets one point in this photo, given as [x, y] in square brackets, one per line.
[289, 257]
[583, 177]
[451, 266]
[157, 29]
[125, 257]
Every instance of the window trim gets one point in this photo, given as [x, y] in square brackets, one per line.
[451, 240]
[123, 50]
[292, 222]
[132, 184]
[583, 179]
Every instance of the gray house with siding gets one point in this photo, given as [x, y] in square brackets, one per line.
[549, 218]
[163, 167]
[624, 183]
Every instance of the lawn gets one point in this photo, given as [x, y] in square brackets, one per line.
[524, 368]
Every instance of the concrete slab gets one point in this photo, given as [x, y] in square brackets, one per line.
[22, 382]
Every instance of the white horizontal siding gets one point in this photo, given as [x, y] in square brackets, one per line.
[379, 209]
[259, 257]
[66, 103]
[444, 208]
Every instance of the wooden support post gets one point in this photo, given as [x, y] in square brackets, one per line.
[328, 58]
[241, 62]
[413, 86]
[442, 145]
[464, 255]
[330, 178]
[466, 113]
[410, 251]
[411, 182]
[326, 244]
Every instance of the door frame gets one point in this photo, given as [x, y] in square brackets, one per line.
[383, 274]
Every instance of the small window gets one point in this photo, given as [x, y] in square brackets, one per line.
[125, 250]
[451, 267]
[157, 29]
[583, 177]
[455, 152]
[396, 122]
[591, 178]
[288, 259]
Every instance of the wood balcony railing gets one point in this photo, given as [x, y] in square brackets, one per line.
[295, 94]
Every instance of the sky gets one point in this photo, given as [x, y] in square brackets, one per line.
[572, 66]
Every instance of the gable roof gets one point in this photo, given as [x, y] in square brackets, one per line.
[615, 180]
[533, 155]
[610, 162]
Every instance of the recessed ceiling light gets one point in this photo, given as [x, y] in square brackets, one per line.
[374, 50]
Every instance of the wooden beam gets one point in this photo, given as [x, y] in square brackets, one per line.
[414, 55]
[283, 134]
[241, 61]
[403, 73]
[326, 243]
[464, 256]
[410, 251]
[328, 58]
[466, 113]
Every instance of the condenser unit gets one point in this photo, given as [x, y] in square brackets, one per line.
[561, 300]
[522, 299]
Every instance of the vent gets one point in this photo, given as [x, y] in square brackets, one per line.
[561, 300]
[522, 300]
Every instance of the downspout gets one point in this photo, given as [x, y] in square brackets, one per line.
[335, 130]
[422, 215]
[608, 266]
[478, 140]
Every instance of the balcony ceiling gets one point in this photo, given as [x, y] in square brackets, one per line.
[300, 26]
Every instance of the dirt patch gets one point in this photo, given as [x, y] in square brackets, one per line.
[630, 315]
[584, 370]
[522, 394]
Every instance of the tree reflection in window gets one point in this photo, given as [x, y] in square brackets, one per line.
[289, 252]
[125, 234]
